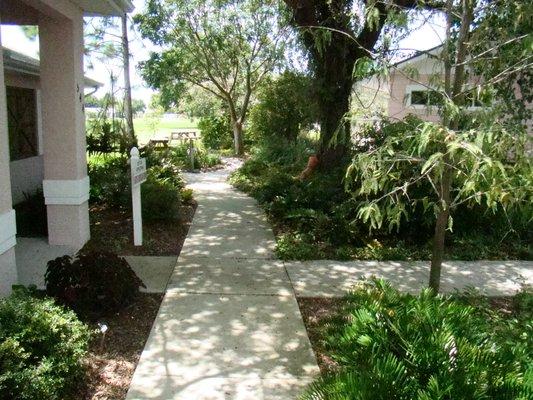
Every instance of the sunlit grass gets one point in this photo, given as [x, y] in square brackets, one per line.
[146, 128]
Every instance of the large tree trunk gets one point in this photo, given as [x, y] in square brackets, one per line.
[333, 61]
[238, 140]
[128, 109]
[335, 79]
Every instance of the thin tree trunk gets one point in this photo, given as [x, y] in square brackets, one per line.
[128, 109]
[453, 90]
[440, 230]
[238, 140]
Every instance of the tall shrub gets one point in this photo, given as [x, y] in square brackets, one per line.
[284, 107]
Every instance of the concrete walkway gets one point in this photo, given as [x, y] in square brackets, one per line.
[229, 326]
[325, 278]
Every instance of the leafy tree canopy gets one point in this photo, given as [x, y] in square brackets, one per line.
[223, 47]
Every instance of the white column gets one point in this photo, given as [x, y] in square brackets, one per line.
[8, 267]
[66, 185]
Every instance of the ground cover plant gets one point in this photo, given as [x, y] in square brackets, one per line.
[42, 346]
[317, 219]
[382, 344]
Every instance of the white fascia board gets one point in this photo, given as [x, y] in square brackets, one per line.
[66, 192]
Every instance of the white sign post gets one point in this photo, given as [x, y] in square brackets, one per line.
[138, 176]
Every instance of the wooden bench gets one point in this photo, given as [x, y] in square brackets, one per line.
[159, 143]
[183, 136]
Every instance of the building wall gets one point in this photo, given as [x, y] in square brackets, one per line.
[399, 107]
[26, 177]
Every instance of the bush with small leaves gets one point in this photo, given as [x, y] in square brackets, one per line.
[93, 283]
[160, 199]
[41, 348]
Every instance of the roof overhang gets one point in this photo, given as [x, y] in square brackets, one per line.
[24, 65]
[419, 55]
[105, 7]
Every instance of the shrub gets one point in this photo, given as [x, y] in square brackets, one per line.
[105, 137]
[93, 283]
[284, 107]
[41, 348]
[110, 183]
[160, 199]
[390, 345]
[110, 180]
[216, 132]
[186, 195]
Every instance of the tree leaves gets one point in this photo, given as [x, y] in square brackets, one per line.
[488, 166]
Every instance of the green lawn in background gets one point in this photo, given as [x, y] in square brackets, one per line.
[144, 127]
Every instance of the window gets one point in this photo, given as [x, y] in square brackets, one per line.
[426, 98]
[22, 123]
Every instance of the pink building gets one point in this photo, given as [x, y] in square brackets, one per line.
[62, 123]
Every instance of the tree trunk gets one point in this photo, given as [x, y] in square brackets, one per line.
[238, 140]
[333, 105]
[128, 109]
[440, 231]
[453, 88]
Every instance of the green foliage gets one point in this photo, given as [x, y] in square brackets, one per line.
[110, 180]
[224, 48]
[41, 348]
[489, 168]
[508, 25]
[160, 199]
[389, 345]
[186, 196]
[202, 158]
[93, 283]
[216, 132]
[317, 219]
[284, 108]
[105, 137]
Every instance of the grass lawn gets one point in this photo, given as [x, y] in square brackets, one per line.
[145, 128]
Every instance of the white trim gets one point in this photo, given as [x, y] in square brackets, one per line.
[66, 192]
[8, 231]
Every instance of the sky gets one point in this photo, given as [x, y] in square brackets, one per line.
[423, 34]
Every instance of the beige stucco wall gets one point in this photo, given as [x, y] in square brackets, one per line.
[21, 80]
[398, 107]
[26, 177]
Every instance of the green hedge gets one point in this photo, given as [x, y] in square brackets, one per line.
[41, 348]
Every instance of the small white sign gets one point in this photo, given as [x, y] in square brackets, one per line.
[138, 171]
[138, 176]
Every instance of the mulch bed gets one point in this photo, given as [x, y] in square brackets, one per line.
[112, 358]
[112, 230]
[315, 311]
